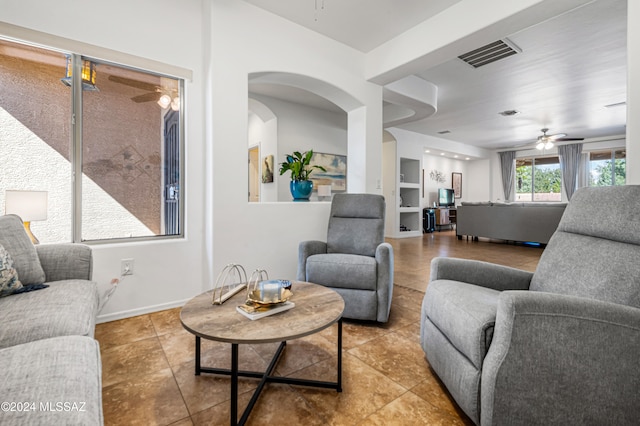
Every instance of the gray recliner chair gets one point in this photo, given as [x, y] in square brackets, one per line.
[558, 346]
[354, 261]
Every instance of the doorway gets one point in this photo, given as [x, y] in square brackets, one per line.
[254, 174]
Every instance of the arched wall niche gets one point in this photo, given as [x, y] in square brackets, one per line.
[292, 112]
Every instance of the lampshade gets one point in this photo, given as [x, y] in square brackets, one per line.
[29, 205]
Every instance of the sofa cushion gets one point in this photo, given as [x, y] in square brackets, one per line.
[9, 281]
[343, 271]
[65, 308]
[59, 379]
[465, 314]
[16, 241]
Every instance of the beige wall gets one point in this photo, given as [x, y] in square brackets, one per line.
[122, 138]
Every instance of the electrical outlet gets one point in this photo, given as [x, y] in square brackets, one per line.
[126, 266]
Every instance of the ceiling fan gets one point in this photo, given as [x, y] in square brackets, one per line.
[546, 141]
[163, 96]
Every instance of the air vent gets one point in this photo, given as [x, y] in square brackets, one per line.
[444, 132]
[509, 113]
[492, 52]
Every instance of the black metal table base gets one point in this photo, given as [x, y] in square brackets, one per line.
[265, 377]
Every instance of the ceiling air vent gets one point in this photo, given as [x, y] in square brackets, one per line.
[490, 53]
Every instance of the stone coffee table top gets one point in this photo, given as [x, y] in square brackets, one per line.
[317, 307]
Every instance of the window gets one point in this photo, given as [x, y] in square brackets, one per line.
[607, 168]
[538, 179]
[125, 141]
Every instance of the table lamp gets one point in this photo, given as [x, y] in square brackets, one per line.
[29, 205]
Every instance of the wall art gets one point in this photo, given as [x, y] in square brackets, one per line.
[336, 174]
[437, 176]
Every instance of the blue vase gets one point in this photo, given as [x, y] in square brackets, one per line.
[301, 189]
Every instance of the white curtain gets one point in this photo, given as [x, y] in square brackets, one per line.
[569, 164]
[583, 170]
[508, 168]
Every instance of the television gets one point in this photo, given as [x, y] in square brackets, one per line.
[446, 197]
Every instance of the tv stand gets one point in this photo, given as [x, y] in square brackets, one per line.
[445, 216]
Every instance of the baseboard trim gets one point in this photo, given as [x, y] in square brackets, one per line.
[139, 311]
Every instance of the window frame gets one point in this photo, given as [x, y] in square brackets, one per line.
[612, 158]
[76, 128]
[533, 160]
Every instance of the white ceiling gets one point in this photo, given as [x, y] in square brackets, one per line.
[361, 24]
[570, 67]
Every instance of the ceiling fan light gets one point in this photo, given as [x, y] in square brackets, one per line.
[548, 145]
[164, 101]
[540, 145]
[175, 104]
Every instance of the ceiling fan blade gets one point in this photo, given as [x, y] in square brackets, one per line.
[568, 139]
[134, 83]
[147, 97]
[556, 136]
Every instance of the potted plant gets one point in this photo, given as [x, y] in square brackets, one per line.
[299, 166]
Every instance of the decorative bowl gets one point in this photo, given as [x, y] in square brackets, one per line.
[271, 292]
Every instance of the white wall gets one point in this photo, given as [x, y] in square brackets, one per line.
[263, 132]
[633, 93]
[248, 40]
[301, 128]
[477, 185]
[446, 166]
[170, 271]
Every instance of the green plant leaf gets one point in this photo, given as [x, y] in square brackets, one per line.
[299, 165]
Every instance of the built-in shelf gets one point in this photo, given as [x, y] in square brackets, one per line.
[409, 171]
[402, 176]
[408, 186]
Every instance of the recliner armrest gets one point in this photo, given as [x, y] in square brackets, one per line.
[480, 273]
[306, 249]
[576, 357]
[65, 261]
[384, 259]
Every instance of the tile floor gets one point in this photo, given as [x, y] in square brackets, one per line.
[148, 361]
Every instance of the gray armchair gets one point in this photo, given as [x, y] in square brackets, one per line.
[558, 346]
[355, 261]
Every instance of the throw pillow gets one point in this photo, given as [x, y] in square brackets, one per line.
[25, 258]
[9, 282]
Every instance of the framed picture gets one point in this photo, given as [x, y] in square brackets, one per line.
[456, 182]
[267, 169]
[336, 174]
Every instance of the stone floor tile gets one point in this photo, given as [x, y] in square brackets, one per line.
[132, 360]
[121, 332]
[152, 399]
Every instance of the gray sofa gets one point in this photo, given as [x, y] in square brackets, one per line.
[558, 346]
[354, 261]
[49, 360]
[526, 222]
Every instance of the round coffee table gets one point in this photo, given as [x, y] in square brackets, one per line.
[316, 308]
